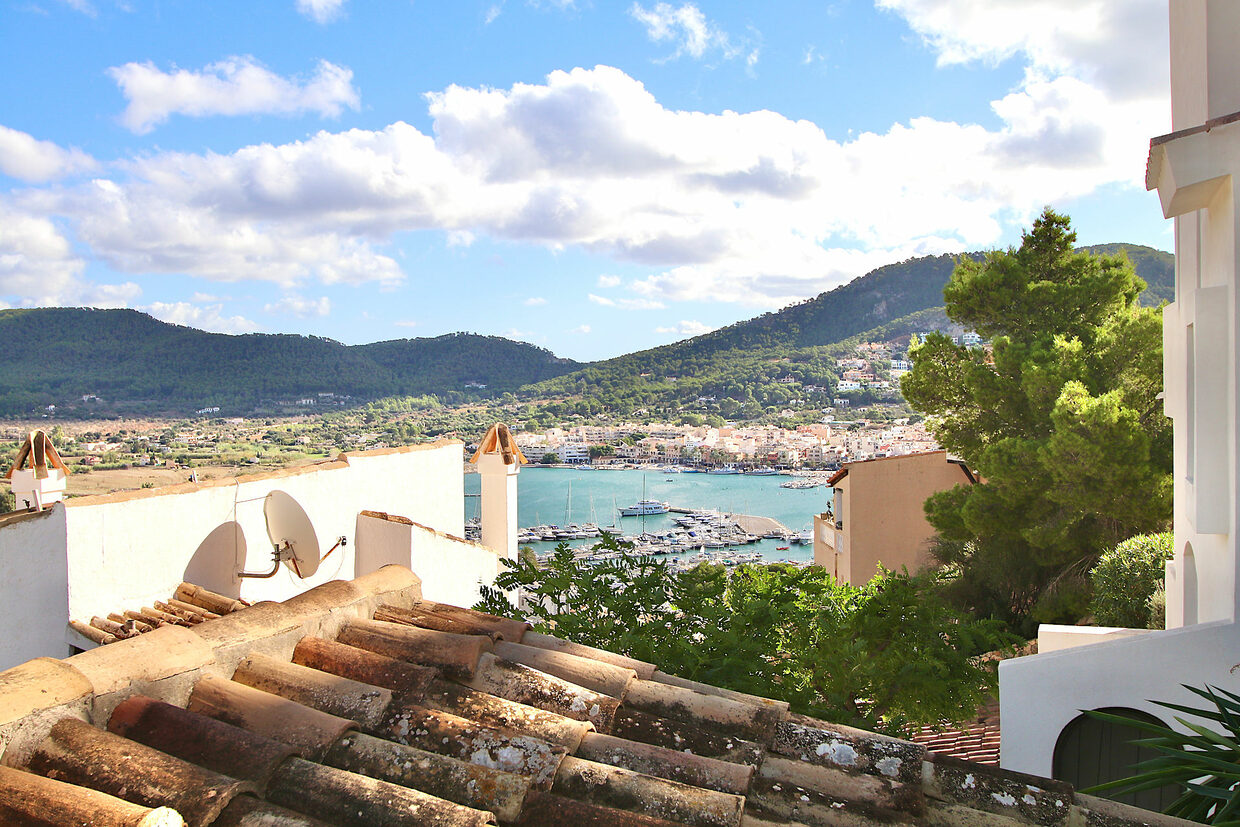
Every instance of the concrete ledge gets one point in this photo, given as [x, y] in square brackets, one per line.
[1101, 812]
[390, 579]
[994, 790]
[1052, 637]
[167, 651]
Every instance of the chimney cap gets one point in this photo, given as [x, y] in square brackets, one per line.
[499, 441]
[39, 452]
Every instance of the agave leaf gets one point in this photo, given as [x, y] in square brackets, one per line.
[1199, 713]
[1209, 792]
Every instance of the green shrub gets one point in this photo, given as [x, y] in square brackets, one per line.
[1125, 579]
[886, 655]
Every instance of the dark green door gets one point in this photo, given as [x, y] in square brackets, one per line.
[1091, 752]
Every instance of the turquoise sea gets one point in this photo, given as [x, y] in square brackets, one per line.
[566, 495]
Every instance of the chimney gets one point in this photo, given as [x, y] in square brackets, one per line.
[499, 461]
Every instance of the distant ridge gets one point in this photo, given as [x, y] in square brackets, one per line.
[745, 360]
[139, 365]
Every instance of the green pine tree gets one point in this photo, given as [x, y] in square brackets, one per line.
[1059, 417]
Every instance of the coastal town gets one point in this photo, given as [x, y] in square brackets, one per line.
[727, 449]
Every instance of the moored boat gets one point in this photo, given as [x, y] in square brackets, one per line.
[645, 507]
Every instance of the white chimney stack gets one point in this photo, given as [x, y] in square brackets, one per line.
[499, 461]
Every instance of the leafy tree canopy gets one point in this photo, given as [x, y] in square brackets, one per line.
[1060, 419]
[882, 656]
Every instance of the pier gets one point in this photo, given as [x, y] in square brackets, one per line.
[758, 525]
[748, 522]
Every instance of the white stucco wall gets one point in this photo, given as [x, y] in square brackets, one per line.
[1041, 695]
[1052, 637]
[451, 570]
[33, 587]
[129, 549]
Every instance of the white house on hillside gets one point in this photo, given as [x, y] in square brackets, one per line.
[1194, 171]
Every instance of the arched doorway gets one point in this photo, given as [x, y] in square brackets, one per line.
[1091, 752]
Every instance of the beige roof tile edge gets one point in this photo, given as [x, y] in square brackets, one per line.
[403, 449]
[341, 461]
[445, 535]
[189, 487]
[14, 517]
[386, 517]
[37, 685]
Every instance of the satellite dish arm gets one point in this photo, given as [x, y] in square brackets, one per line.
[279, 554]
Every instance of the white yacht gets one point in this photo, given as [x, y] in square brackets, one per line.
[644, 507]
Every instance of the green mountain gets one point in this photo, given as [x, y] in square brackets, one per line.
[135, 363]
[745, 362]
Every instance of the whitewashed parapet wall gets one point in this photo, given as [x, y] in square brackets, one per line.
[95, 555]
[33, 586]
[452, 571]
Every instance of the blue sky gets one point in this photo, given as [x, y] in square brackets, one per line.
[592, 177]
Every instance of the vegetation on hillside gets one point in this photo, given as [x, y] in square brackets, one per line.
[110, 362]
[739, 367]
[134, 363]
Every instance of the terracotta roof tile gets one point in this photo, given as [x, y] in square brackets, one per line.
[445, 716]
[977, 741]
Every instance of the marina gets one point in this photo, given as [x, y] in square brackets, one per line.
[723, 518]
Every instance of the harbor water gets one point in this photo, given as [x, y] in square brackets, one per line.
[566, 495]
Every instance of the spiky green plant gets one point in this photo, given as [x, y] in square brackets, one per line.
[1204, 762]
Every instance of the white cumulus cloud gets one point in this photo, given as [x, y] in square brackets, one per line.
[208, 317]
[36, 260]
[25, 157]
[685, 26]
[626, 304]
[534, 301]
[237, 85]
[749, 207]
[299, 306]
[687, 328]
[320, 11]
[38, 266]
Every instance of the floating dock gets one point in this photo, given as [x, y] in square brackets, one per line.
[748, 522]
[758, 525]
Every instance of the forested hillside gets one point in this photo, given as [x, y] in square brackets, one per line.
[742, 365]
[135, 363]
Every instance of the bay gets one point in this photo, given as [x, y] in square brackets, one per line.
[567, 495]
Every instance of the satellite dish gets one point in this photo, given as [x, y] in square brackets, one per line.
[291, 534]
